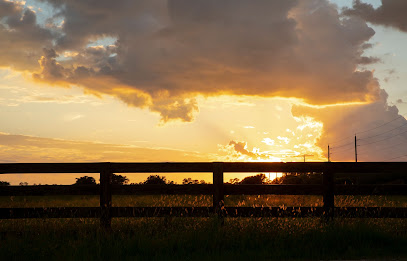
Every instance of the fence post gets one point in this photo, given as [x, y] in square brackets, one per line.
[106, 197]
[218, 196]
[328, 183]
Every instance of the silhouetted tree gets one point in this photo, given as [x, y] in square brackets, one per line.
[257, 179]
[188, 181]
[233, 181]
[4, 183]
[299, 178]
[119, 179]
[85, 180]
[292, 179]
[23, 183]
[157, 180]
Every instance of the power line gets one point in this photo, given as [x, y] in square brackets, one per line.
[337, 141]
[388, 147]
[384, 132]
[396, 157]
[380, 155]
[399, 117]
[343, 145]
[341, 151]
[304, 155]
[396, 150]
[374, 128]
[365, 150]
[384, 138]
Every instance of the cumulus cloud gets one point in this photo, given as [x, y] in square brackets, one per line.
[301, 140]
[169, 51]
[391, 13]
[238, 151]
[381, 132]
[241, 147]
[22, 39]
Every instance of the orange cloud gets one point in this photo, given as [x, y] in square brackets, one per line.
[370, 122]
[168, 52]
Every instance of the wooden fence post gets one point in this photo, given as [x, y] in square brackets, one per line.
[218, 196]
[328, 183]
[106, 197]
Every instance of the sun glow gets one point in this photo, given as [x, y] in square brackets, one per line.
[339, 104]
[264, 142]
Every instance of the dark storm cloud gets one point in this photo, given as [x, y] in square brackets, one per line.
[391, 13]
[8, 8]
[368, 60]
[168, 52]
[21, 39]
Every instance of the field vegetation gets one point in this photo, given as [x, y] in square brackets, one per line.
[174, 238]
[201, 201]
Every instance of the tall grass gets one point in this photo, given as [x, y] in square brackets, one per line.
[202, 201]
[202, 238]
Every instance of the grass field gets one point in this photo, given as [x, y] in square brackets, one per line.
[201, 201]
[202, 238]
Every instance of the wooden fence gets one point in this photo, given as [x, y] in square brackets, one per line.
[218, 190]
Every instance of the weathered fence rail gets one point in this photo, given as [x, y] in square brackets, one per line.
[218, 190]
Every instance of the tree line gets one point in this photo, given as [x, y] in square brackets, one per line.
[123, 180]
[287, 178]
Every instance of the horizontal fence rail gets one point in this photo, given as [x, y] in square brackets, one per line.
[328, 189]
[163, 167]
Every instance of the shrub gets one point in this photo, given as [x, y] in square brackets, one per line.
[119, 179]
[156, 180]
[257, 179]
[188, 181]
[85, 180]
[299, 178]
[234, 181]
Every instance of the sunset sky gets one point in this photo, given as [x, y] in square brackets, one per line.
[202, 80]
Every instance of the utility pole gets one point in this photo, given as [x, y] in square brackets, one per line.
[356, 150]
[305, 155]
[329, 155]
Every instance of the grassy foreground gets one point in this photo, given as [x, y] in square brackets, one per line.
[201, 201]
[203, 239]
